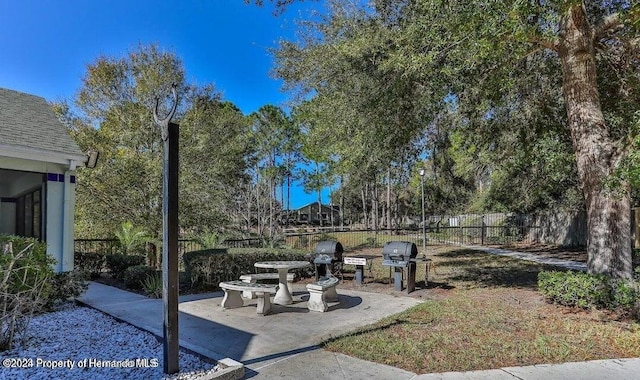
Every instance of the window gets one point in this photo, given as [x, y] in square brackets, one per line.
[29, 214]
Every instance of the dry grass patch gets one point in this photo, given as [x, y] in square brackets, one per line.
[489, 328]
[490, 316]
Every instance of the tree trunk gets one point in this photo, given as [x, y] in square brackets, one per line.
[341, 212]
[272, 193]
[608, 215]
[374, 204]
[258, 216]
[319, 195]
[364, 206]
[288, 196]
[388, 203]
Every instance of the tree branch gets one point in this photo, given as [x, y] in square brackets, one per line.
[545, 43]
[611, 23]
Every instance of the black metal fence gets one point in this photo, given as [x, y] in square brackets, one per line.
[469, 229]
[111, 246]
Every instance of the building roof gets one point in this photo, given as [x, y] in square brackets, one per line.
[28, 124]
[335, 207]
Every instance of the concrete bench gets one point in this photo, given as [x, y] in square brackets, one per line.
[320, 292]
[232, 299]
[252, 278]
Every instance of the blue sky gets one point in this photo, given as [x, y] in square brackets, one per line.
[47, 44]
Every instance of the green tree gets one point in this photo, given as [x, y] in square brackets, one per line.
[213, 151]
[113, 114]
[496, 38]
[479, 52]
[272, 134]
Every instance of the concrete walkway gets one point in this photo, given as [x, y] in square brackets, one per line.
[281, 344]
[284, 344]
[530, 257]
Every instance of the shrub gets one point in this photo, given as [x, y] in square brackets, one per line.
[66, 285]
[90, 263]
[624, 294]
[371, 242]
[588, 291]
[118, 263]
[135, 275]
[574, 288]
[25, 271]
[152, 285]
[210, 267]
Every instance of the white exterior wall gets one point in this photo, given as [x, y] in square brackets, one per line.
[59, 220]
[58, 205]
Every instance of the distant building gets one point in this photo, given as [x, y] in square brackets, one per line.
[313, 215]
[38, 160]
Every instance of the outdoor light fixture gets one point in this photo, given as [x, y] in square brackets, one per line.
[92, 158]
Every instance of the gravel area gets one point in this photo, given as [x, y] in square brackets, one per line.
[82, 343]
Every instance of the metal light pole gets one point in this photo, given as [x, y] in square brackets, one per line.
[169, 132]
[424, 227]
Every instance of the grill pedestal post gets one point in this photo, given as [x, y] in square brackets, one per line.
[359, 274]
[411, 277]
[397, 278]
[321, 271]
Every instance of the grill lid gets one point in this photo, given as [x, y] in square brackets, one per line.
[398, 252]
[328, 251]
[329, 247]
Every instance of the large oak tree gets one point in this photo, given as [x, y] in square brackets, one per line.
[475, 53]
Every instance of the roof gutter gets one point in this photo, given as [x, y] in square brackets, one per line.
[33, 154]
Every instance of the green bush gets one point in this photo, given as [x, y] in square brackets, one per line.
[135, 275]
[66, 285]
[90, 263]
[152, 285]
[30, 267]
[210, 267]
[588, 291]
[25, 286]
[624, 294]
[574, 288]
[118, 263]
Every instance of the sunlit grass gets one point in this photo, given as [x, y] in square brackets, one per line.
[492, 317]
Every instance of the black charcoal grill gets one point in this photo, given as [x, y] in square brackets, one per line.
[398, 255]
[328, 258]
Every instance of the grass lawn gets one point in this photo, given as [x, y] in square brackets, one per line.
[484, 312]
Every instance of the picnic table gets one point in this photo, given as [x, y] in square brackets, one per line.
[283, 296]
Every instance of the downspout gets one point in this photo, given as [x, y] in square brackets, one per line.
[66, 212]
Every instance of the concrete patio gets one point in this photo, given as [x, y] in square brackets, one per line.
[259, 342]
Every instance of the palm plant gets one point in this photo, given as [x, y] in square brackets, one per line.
[210, 239]
[131, 238]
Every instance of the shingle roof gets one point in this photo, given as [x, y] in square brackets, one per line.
[29, 121]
